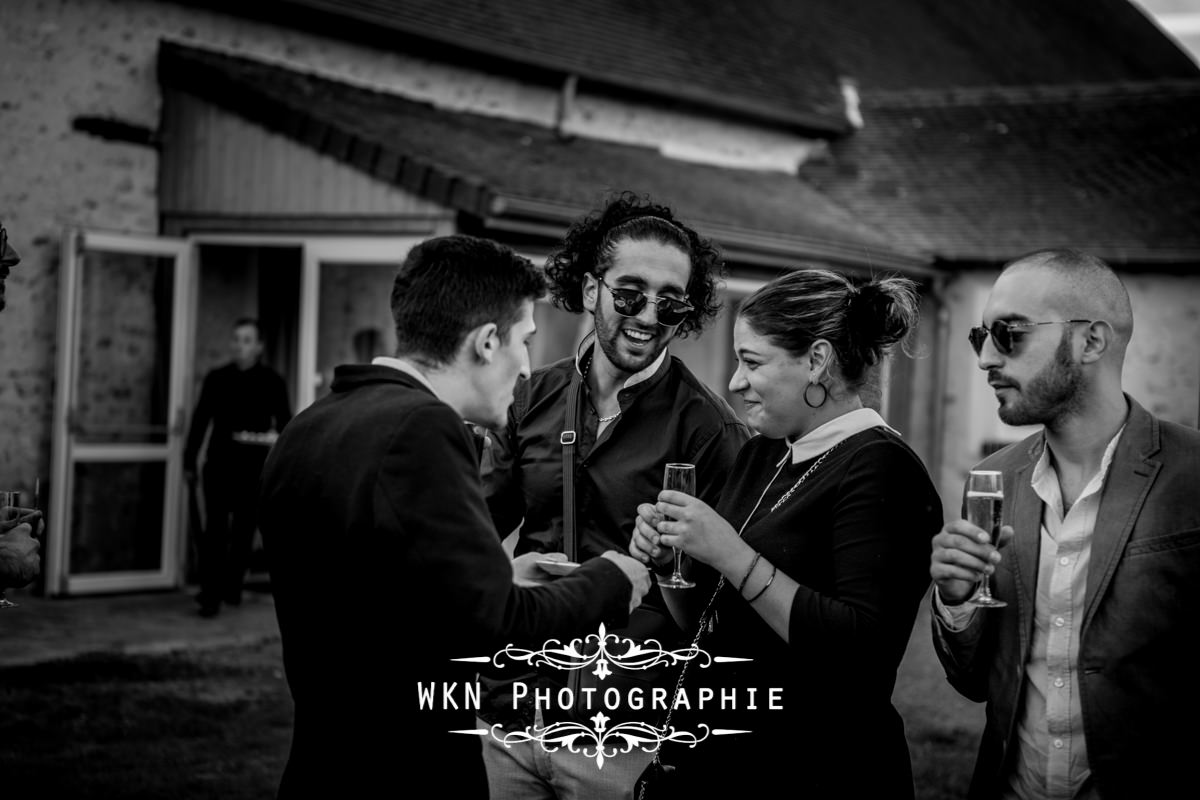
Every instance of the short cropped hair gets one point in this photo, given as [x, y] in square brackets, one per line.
[1088, 287]
[249, 322]
[449, 285]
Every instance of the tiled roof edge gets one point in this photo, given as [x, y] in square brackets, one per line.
[812, 121]
[1025, 95]
[747, 242]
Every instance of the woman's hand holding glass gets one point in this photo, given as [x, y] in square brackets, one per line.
[689, 524]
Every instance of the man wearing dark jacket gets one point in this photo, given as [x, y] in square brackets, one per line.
[243, 406]
[646, 278]
[385, 466]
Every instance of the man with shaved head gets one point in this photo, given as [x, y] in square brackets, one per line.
[1089, 688]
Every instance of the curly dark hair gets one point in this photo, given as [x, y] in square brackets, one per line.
[591, 242]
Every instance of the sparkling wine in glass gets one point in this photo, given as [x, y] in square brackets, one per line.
[680, 478]
[985, 500]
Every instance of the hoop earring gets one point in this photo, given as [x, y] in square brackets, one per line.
[824, 395]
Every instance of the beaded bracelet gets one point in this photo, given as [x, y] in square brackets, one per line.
[753, 564]
[774, 569]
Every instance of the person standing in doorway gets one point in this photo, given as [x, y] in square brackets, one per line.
[243, 406]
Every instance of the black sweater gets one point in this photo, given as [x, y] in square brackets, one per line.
[856, 537]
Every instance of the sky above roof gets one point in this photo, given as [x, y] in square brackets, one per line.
[1180, 19]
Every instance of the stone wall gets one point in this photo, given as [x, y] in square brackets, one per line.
[61, 60]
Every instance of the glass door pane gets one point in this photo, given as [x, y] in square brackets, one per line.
[117, 413]
[124, 349]
[354, 318]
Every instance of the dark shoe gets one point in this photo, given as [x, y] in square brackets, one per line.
[233, 601]
[202, 599]
[209, 611]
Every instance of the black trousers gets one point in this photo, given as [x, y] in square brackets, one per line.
[230, 502]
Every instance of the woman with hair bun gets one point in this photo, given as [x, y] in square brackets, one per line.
[821, 539]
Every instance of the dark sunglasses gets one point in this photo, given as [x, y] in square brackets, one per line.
[630, 302]
[1005, 335]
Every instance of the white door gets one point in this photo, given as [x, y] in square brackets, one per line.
[115, 499]
[346, 313]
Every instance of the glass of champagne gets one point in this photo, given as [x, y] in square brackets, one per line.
[985, 500]
[680, 478]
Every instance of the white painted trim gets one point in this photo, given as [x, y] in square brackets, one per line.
[742, 286]
[118, 453]
[114, 582]
[65, 452]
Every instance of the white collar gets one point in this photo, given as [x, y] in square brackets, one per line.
[633, 379]
[407, 367]
[838, 429]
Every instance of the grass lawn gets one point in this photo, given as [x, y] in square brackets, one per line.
[217, 724]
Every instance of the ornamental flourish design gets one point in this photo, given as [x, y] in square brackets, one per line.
[599, 741]
[602, 649]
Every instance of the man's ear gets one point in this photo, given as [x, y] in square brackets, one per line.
[591, 292]
[1098, 338]
[483, 342]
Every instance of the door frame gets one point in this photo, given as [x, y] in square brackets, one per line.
[364, 248]
[66, 452]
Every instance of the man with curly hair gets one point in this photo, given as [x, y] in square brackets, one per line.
[646, 278]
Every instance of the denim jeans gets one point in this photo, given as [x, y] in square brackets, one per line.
[525, 771]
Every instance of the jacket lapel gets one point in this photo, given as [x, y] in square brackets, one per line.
[1027, 537]
[1129, 479]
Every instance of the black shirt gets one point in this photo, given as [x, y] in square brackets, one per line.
[233, 400]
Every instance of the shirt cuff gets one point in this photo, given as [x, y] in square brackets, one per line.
[956, 618]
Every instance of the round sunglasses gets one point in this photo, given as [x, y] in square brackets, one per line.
[630, 302]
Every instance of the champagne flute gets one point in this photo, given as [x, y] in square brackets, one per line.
[681, 478]
[985, 499]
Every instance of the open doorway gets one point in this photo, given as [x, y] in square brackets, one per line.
[236, 281]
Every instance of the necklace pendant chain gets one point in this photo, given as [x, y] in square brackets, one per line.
[600, 419]
[807, 472]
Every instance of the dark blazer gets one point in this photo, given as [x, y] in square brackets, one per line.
[385, 566]
[1139, 688]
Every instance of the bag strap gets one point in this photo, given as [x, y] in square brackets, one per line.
[567, 440]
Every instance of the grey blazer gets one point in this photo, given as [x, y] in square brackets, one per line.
[1138, 684]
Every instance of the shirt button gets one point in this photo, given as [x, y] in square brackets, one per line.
[1058, 744]
[1059, 622]
[1064, 561]
[1058, 682]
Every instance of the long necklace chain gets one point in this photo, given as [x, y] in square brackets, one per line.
[807, 472]
[707, 621]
